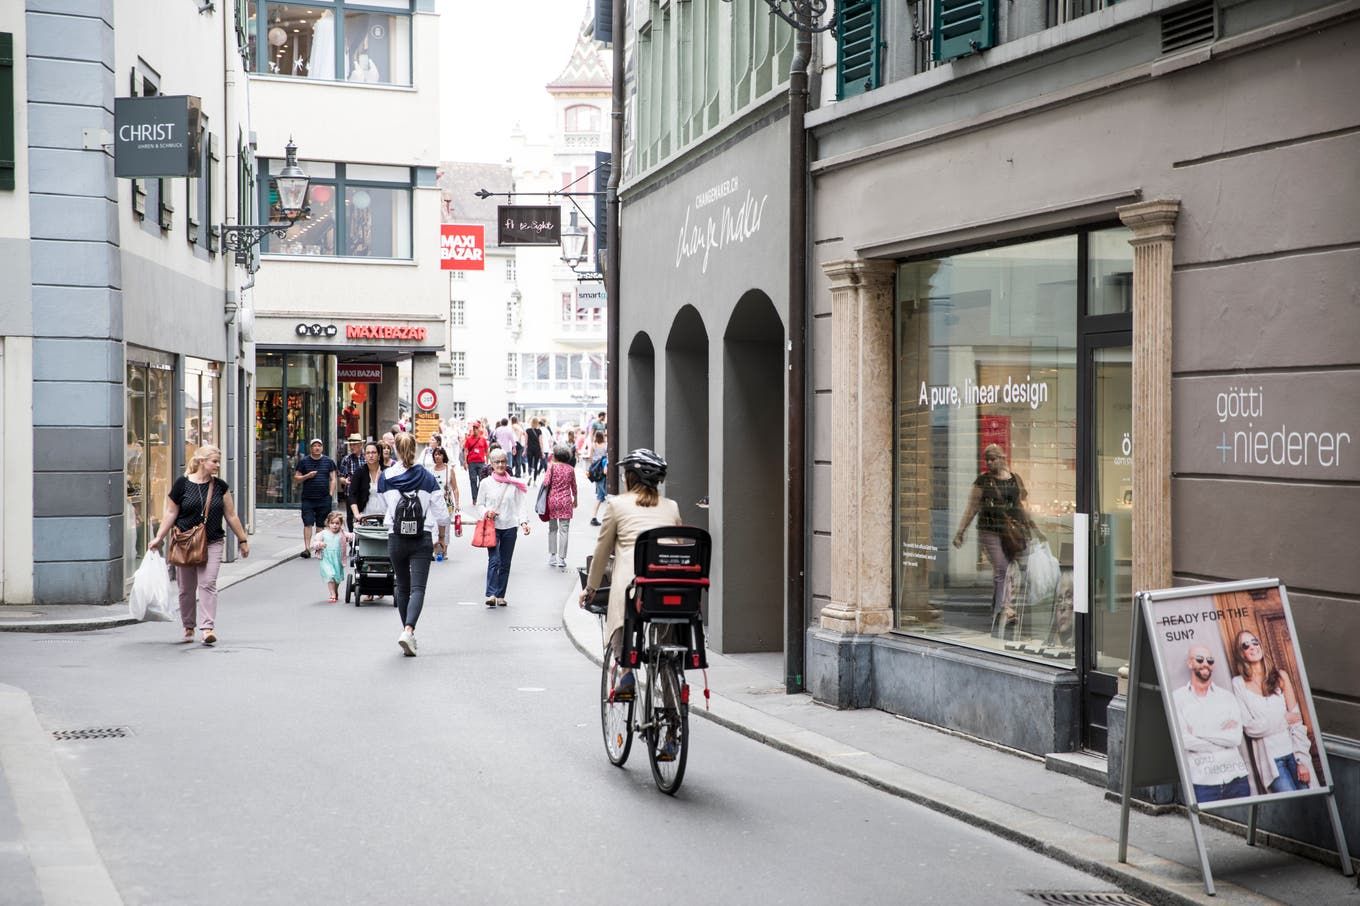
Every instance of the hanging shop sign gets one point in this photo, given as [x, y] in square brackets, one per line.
[426, 399]
[462, 247]
[383, 332]
[156, 137]
[520, 224]
[590, 297]
[316, 330]
[359, 372]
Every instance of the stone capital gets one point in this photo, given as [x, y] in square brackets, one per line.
[866, 273]
[1151, 221]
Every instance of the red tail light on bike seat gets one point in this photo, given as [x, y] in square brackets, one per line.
[672, 600]
[684, 694]
[632, 658]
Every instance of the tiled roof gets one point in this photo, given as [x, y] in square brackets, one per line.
[458, 183]
[589, 66]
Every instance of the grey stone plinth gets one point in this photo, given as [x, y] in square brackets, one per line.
[840, 668]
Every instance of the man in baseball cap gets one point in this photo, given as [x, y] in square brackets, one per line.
[316, 473]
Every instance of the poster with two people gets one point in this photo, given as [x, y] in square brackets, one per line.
[1233, 681]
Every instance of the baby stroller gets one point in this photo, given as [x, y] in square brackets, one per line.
[370, 572]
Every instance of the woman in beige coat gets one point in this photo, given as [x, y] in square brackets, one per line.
[627, 515]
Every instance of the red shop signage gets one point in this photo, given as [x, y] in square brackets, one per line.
[383, 332]
[462, 247]
[359, 372]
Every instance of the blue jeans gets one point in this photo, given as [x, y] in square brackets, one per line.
[475, 477]
[498, 562]
[1288, 779]
[410, 571]
[1233, 789]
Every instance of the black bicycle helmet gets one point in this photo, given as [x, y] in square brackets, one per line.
[647, 465]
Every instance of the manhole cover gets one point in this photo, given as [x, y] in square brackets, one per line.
[92, 733]
[1084, 898]
[535, 628]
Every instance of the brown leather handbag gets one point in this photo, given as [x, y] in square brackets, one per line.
[190, 547]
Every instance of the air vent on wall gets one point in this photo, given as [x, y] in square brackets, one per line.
[1187, 26]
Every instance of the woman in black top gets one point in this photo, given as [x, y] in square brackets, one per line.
[197, 488]
[363, 498]
[533, 449]
[999, 496]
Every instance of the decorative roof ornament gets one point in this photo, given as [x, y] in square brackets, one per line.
[589, 64]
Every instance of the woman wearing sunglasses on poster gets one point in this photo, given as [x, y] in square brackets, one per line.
[1272, 718]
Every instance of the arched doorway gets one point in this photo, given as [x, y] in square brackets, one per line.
[753, 446]
[687, 414]
[640, 426]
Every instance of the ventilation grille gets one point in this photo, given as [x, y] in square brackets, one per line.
[1188, 26]
[1084, 898]
[92, 733]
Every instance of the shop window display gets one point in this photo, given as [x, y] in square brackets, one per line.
[147, 457]
[306, 41]
[291, 406]
[985, 448]
[355, 211]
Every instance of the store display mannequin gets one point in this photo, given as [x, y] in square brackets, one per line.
[321, 65]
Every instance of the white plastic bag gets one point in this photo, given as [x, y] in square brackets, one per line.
[1043, 570]
[150, 596]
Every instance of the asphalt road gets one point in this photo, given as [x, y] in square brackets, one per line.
[304, 760]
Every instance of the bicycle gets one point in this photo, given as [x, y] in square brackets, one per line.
[662, 635]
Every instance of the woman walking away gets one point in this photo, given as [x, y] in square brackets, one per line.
[502, 497]
[627, 515]
[415, 509]
[596, 473]
[561, 482]
[199, 496]
[533, 449]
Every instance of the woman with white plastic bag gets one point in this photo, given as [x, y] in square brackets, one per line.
[149, 600]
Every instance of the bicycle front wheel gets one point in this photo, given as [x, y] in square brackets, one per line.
[668, 731]
[616, 717]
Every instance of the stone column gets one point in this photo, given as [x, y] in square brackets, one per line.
[1154, 229]
[861, 488]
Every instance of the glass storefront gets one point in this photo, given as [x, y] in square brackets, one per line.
[202, 390]
[986, 438]
[148, 454]
[293, 393]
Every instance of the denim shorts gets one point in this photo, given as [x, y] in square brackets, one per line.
[314, 512]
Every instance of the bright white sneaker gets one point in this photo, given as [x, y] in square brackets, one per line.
[407, 641]
[552, 561]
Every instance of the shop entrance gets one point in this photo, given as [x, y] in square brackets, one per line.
[292, 406]
[1107, 492]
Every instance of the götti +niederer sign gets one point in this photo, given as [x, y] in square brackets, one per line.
[156, 137]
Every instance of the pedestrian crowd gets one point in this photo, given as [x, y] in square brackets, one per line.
[414, 492]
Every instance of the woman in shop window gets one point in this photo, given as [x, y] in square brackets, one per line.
[1004, 527]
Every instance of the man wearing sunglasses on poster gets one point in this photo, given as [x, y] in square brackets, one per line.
[1211, 727]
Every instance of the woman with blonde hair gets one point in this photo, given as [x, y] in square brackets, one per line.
[1271, 718]
[199, 496]
[998, 500]
[402, 485]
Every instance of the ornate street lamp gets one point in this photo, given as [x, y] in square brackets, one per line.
[292, 186]
[573, 244]
[804, 15]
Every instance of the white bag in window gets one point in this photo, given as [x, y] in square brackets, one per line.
[1043, 571]
[149, 600]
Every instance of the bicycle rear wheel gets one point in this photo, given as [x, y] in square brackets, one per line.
[616, 717]
[668, 730]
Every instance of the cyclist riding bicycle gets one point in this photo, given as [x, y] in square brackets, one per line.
[627, 515]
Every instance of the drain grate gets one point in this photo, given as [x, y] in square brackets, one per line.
[59, 640]
[1084, 898]
[535, 628]
[92, 733]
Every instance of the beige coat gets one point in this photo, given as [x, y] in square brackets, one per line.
[623, 521]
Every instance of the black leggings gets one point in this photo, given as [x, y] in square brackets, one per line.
[410, 571]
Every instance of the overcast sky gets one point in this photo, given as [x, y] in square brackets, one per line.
[496, 58]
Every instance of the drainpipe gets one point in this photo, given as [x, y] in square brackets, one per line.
[795, 607]
[232, 298]
[611, 269]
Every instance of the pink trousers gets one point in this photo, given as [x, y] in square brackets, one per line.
[200, 582]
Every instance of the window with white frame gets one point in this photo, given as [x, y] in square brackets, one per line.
[356, 211]
[459, 410]
[512, 366]
[457, 313]
[458, 363]
[510, 274]
[358, 41]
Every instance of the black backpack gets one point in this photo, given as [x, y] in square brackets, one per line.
[408, 518]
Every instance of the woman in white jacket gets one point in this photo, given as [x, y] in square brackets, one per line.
[410, 548]
[504, 498]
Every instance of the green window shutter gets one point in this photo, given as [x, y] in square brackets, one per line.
[859, 44]
[963, 27]
[6, 110]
